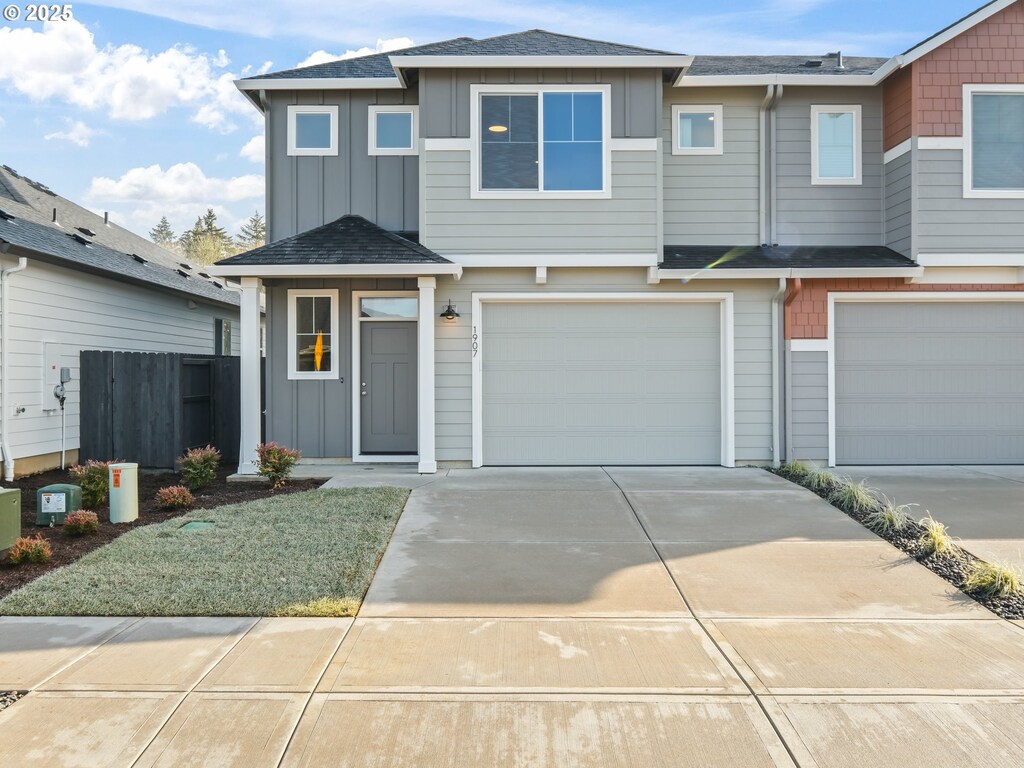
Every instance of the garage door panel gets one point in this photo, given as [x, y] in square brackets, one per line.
[602, 383]
[929, 382]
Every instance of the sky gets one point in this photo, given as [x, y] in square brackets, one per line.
[130, 106]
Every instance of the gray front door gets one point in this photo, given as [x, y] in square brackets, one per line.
[387, 367]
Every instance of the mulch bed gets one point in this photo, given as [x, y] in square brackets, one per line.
[67, 549]
[953, 569]
[9, 697]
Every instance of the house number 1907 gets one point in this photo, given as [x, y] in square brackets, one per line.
[476, 342]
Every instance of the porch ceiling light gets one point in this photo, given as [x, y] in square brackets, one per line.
[497, 128]
[449, 312]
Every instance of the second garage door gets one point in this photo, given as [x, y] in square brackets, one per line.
[929, 382]
[601, 383]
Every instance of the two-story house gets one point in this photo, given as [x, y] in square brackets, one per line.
[539, 249]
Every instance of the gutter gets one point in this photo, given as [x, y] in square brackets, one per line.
[5, 278]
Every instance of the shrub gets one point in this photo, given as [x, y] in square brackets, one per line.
[796, 470]
[175, 497]
[854, 497]
[94, 479]
[81, 523]
[936, 539]
[994, 580]
[890, 517]
[822, 480]
[275, 462]
[30, 549]
[199, 466]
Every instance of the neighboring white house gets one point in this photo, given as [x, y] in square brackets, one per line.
[86, 283]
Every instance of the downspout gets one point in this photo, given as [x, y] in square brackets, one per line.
[769, 97]
[4, 304]
[773, 167]
[776, 366]
[792, 291]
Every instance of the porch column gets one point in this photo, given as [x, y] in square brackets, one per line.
[425, 386]
[249, 343]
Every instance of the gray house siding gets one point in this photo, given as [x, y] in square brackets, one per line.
[808, 415]
[808, 214]
[899, 203]
[314, 416]
[946, 221]
[713, 199]
[453, 376]
[305, 192]
[444, 95]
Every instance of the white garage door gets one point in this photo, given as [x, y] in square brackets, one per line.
[929, 383]
[601, 383]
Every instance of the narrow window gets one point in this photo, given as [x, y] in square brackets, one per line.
[312, 130]
[392, 130]
[508, 142]
[222, 337]
[697, 129]
[312, 334]
[573, 152]
[835, 145]
[997, 141]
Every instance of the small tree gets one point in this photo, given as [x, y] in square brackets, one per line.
[162, 234]
[206, 242]
[253, 233]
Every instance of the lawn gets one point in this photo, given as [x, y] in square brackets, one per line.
[303, 554]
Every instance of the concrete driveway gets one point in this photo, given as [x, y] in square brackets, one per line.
[983, 506]
[590, 617]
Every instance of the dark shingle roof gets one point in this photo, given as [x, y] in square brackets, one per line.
[949, 27]
[704, 66]
[781, 257]
[348, 240]
[61, 248]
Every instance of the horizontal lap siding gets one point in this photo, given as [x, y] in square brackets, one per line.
[808, 376]
[74, 311]
[948, 222]
[713, 199]
[898, 203]
[454, 223]
[826, 214]
[753, 403]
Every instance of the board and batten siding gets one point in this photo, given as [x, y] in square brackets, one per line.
[444, 95]
[454, 223]
[808, 415]
[70, 311]
[453, 344]
[306, 192]
[821, 214]
[314, 416]
[946, 221]
[713, 199]
[899, 203]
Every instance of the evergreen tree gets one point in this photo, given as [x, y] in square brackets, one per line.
[206, 242]
[253, 233]
[162, 234]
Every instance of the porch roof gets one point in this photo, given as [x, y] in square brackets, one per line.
[724, 257]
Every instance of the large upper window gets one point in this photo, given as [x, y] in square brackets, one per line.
[835, 144]
[392, 130]
[697, 129]
[994, 141]
[312, 130]
[547, 142]
[312, 334]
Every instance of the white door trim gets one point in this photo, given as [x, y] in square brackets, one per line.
[357, 321]
[725, 300]
[890, 296]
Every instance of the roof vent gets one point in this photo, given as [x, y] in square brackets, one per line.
[86, 231]
[106, 218]
[11, 171]
[812, 63]
[138, 258]
[6, 216]
[79, 239]
[838, 56]
[204, 274]
[182, 272]
[54, 215]
[183, 265]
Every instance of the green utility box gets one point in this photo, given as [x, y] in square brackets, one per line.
[10, 517]
[55, 502]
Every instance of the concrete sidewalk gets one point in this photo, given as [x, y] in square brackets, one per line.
[530, 617]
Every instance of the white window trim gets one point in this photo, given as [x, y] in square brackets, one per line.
[716, 110]
[312, 109]
[332, 372]
[968, 116]
[855, 110]
[478, 90]
[376, 109]
[727, 334]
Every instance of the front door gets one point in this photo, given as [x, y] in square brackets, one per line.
[387, 395]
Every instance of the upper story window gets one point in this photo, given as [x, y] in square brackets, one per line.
[836, 144]
[312, 129]
[393, 129]
[312, 334]
[541, 141]
[994, 141]
[697, 129]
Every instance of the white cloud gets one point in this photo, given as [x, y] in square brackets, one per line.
[383, 46]
[254, 150]
[77, 133]
[63, 62]
[181, 192]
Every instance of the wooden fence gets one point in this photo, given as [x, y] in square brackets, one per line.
[150, 407]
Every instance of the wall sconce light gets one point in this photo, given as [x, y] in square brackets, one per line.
[449, 312]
